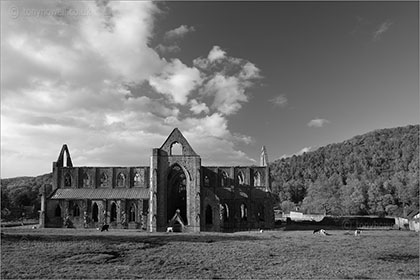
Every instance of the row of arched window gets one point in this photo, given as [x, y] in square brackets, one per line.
[224, 213]
[224, 181]
[74, 209]
[103, 179]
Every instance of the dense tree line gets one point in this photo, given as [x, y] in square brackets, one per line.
[376, 173]
[19, 192]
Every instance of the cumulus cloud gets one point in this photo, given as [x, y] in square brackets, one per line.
[280, 100]
[198, 108]
[216, 53]
[176, 80]
[227, 80]
[178, 32]
[318, 122]
[79, 80]
[381, 29]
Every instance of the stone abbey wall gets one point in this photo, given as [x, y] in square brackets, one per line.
[213, 198]
[102, 177]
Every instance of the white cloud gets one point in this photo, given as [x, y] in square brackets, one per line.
[78, 80]
[176, 80]
[382, 28]
[318, 122]
[301, 152]
[178, 32]
[198, 108]
[228, 79]
[174, 48]
[216, 53]
[280, 100]
[228, 94]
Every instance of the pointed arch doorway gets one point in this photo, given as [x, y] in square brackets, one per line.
[177, 193]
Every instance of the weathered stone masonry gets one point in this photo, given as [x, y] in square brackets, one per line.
[206, 198]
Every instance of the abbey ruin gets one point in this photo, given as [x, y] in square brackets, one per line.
[174, 191]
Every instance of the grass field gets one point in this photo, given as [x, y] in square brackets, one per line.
[70, 253]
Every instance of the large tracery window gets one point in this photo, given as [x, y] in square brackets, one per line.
[176, 149]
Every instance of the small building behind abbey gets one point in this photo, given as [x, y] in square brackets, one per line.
[174, 191]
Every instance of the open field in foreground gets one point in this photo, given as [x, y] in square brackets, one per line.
[70, 253]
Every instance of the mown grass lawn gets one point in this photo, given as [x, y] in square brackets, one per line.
[69, 253]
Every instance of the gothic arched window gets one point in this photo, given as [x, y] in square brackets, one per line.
[209, 215]
[104, 179]
[132, 213]
[95, 212]
[257, 179]
[244, 212]
[121, 180]
[261, 213]
[58, 211]
[76, 210]
[86, 180]
[224, 180]
[241, 178]
[136, 179]
[206, 181]
[113, 212]
[67, 180]
[176, 149]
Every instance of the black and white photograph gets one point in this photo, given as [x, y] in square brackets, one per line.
[210, 139]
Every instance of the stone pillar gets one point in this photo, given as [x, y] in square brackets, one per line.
[42, 213]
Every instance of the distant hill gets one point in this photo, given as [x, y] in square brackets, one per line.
[374, 173]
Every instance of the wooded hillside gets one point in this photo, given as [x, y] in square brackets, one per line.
[21, 191]
[375, 173]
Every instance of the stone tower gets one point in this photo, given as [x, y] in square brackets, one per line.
[263, 157]
[175, 184]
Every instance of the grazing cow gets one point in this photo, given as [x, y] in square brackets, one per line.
[261, 230]
[356, 232]
[170, 229]
[320, 231]
[104, 227]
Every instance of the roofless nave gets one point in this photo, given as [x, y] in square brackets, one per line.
[175, 190]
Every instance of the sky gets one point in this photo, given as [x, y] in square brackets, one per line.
[113, 79]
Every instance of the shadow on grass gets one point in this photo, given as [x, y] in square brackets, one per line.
[157, 240]
[398, 257]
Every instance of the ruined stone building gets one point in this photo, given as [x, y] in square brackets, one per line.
[175, 190]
